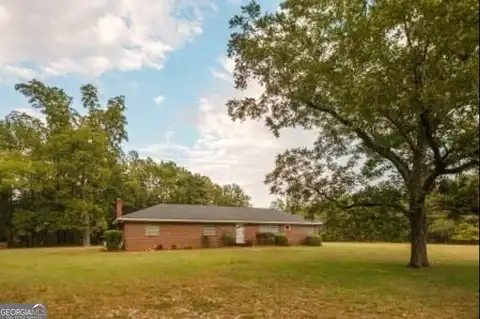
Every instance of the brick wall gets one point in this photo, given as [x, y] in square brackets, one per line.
[183, 234]
[180, 235]
[297, 233]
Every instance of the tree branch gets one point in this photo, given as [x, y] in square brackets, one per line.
[425, 114]
[429, 135]
[427, 185]
[461, 168]
[367, 140]
[401, 130]
[362, 204]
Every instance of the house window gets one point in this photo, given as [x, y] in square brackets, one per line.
[152, 230]
[311, 231]
[287, 227]
[269, 229]
[209, 230]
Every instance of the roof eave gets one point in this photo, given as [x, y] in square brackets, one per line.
[223, 221]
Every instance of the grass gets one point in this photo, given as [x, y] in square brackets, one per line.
[334, 281]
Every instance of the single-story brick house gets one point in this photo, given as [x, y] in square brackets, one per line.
[184, 225]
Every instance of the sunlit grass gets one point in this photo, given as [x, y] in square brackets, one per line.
[334, 281]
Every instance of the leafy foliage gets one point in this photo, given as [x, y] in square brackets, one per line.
[457, 197]
[113, 239]
[390, 87]
[228, 240]
[265, 238]
[452, 211]
[59, 178]
[281, 239]
[313, 240]
[467, 230]
[364, 224]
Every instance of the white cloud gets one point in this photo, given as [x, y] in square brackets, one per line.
[159, 99]
[19, 72]
[226, 72]
[32, 112]
[91, 37]
[221, 75]
[230, 151]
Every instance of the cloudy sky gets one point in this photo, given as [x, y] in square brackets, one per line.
[167, 57]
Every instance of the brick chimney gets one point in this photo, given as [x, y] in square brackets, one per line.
[118, 208]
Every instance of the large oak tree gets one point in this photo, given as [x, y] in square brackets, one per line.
[390, 87]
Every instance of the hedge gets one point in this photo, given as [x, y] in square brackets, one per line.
[228, 240]
[313, 240]
[281, 239]
[265, 239]
[113, 239]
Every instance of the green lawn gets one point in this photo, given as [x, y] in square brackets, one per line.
[334, 281]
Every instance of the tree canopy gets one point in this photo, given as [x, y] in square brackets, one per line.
[60, 177]
[390, 87]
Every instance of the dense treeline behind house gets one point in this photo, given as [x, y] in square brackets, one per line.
[60, 175]
[452, 214]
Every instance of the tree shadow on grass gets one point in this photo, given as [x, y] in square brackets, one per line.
[351, 274]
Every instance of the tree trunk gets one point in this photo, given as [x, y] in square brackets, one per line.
[86, 236]
[86, 231]
[418, 240]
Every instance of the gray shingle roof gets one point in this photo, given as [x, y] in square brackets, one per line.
[218, 214]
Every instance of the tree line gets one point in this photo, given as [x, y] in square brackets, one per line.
[452, 211]
[60, 175]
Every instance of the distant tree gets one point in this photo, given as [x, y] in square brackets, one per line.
[80, 152]
[389, 86]
[278, 204]
[291, 204]
[457, 196]
[467, 230]
[233, 195]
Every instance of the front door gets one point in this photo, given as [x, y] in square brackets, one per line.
[239, 234]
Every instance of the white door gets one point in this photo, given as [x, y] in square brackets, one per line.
[239, 234]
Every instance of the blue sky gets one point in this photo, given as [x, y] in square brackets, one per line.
[167, 58]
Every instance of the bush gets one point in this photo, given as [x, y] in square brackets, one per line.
[159, 247]
[205, 241]
[265, 238]
[313, 240]
[228, 240]
[113, 239]
[174, 246]
[281, 239]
